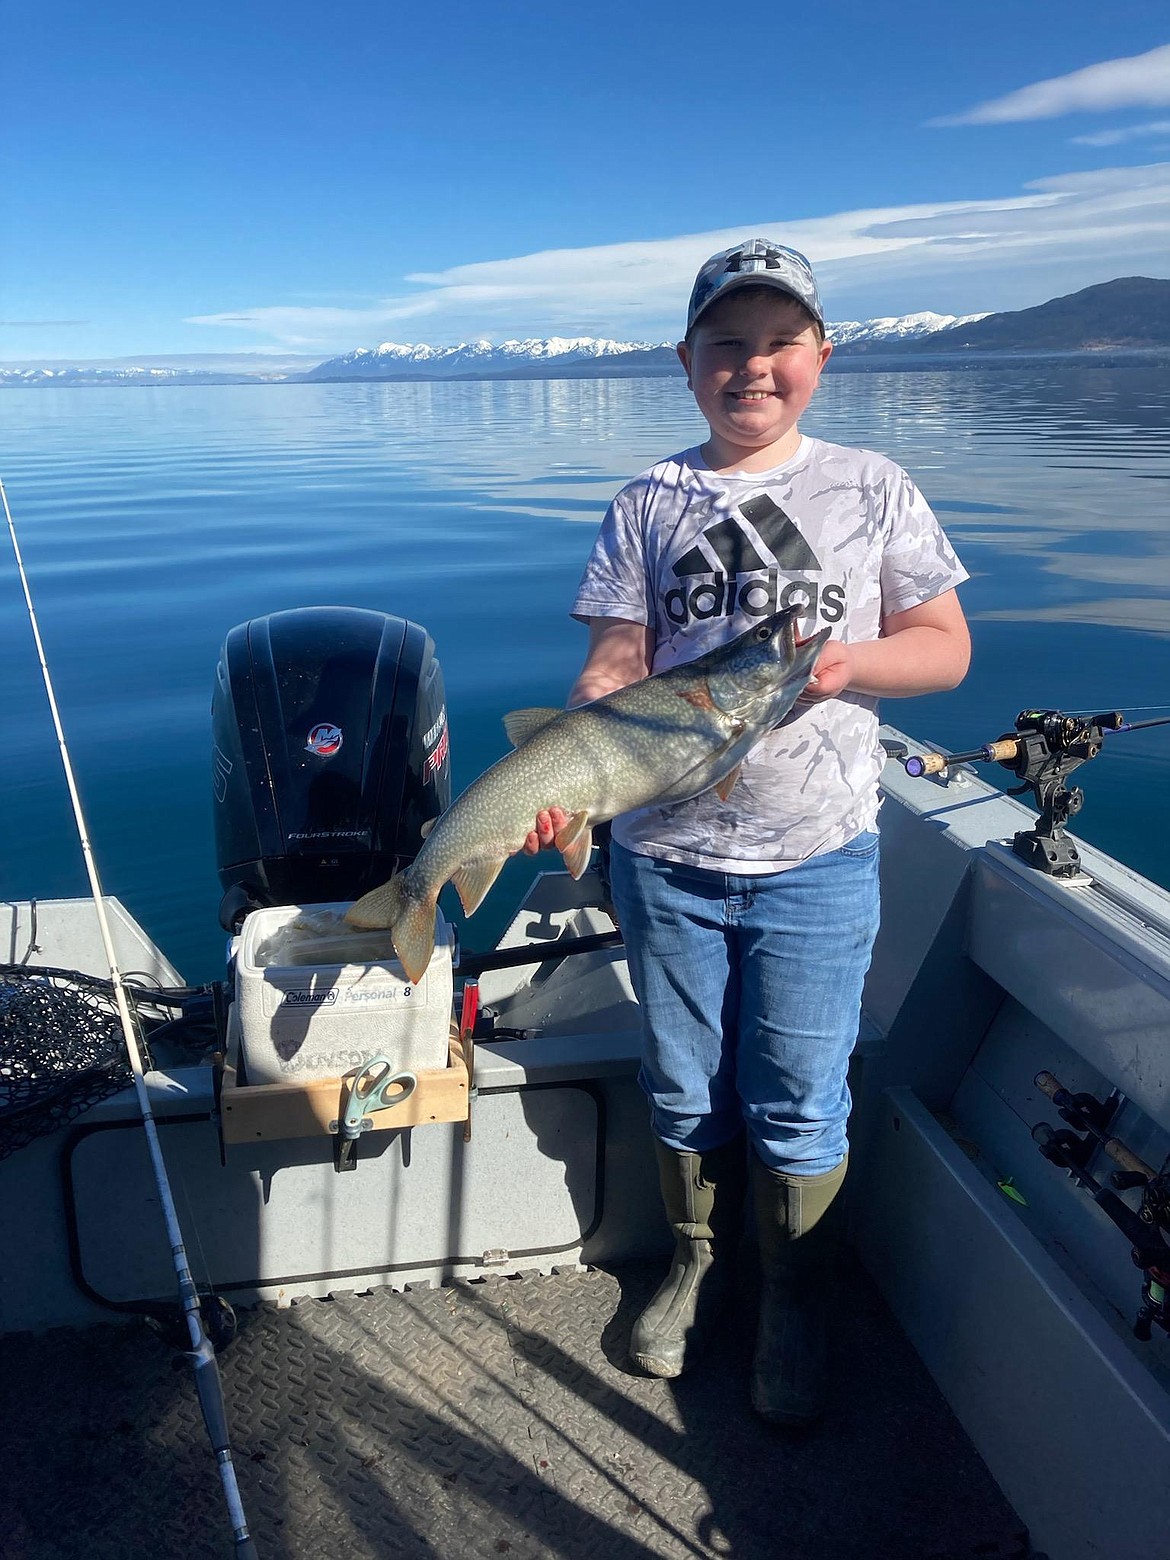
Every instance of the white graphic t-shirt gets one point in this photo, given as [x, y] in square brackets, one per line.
[699, 557]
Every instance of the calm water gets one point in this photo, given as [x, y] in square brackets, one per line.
[153, 520]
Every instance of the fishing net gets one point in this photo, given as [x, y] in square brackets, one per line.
[61, 1049]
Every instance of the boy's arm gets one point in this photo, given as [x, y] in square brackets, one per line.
[619, 653]
[925, 649]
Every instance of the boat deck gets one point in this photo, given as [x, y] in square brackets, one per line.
[495, 1417]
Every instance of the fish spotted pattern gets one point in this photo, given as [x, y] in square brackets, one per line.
[664, 739]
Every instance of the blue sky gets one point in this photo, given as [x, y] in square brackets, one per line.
[311, 178]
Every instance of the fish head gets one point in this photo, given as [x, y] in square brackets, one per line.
[759, 674]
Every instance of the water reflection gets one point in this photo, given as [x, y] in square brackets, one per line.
[1058, 467]
[152, 520]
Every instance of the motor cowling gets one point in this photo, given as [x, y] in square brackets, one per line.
[330, 752]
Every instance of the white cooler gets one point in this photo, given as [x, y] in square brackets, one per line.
[317, 1004]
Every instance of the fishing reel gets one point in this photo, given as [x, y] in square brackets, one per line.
[1048, 746]
[1044, 749]
[1146, 1227]
[170, 1324]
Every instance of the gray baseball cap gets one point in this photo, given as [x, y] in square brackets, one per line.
[755, 263]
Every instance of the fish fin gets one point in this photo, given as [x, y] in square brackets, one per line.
[724, 787]
[426, 828]
[523, 724]
[575, 843]
[473, 880]
[413, 935]
[380, 908]
[411, 923]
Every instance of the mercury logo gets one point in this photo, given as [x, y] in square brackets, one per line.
[730, 552]
[324, 740]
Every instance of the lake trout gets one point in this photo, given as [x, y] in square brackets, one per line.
[663, 739]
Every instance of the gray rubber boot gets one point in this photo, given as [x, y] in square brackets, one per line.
[703, 1195]
[798, 1219]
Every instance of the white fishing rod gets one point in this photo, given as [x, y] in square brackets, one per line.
[201, 1354]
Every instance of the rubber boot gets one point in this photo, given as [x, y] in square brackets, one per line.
[798, 1223]
[703, 1195]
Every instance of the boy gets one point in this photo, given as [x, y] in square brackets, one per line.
[749, 923]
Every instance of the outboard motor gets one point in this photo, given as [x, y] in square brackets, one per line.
[331, 751]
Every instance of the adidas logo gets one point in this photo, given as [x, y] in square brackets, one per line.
[728, 552]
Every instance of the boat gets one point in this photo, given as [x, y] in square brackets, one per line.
[424, 1275]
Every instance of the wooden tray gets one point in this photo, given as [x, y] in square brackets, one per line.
[263, 1112]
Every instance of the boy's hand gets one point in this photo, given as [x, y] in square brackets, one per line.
[549, 822]
[830, 675]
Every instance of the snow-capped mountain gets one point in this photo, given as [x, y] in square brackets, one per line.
[84, 374]
[144, 374]
[903, 327]
[535, 357]
[475, 357]
[392, 360]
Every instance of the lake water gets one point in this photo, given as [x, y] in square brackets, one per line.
[153, 520]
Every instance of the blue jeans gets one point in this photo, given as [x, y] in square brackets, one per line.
[750, 989]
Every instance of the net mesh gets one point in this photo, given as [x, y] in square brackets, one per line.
[61, 1049]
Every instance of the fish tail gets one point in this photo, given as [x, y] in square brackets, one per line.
[411, 922]
[413, 935]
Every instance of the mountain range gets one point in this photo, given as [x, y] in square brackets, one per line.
[1130, 313]
[583, 356]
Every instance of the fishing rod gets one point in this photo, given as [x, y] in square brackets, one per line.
[1043, 750]
[1146, 1228]
[200, 1353]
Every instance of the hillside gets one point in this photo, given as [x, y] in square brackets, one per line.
[1131, 312]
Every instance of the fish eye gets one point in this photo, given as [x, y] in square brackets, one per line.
[762, 634]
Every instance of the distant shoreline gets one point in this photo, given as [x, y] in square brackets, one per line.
[1122, 321]
[844, 361]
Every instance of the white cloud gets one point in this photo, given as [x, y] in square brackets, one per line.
[958, 257]
[310, 327]
[1119, 137]
[1138, 81]
[602, 286]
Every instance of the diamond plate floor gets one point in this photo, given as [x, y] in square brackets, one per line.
[483, 1419]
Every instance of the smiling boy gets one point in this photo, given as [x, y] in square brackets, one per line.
[749, 922]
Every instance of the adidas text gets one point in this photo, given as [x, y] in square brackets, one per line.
[759, 598]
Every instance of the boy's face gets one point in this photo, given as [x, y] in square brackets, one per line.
[753, 362]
